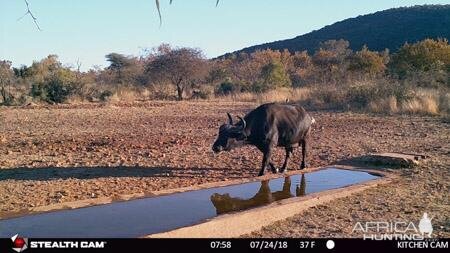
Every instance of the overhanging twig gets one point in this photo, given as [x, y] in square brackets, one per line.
[170, 2]
[31, 15]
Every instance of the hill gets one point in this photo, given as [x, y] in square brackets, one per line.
[384, 29]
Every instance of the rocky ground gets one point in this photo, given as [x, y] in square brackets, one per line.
[64, 153]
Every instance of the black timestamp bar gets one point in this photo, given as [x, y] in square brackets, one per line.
[322, 245]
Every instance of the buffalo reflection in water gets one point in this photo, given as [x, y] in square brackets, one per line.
[224, 203]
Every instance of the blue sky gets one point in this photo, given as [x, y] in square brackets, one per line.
[89, 29]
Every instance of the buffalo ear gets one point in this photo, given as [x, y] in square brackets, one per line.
[230, 119]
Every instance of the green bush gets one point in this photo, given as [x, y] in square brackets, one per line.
[273, 76]
[227, 88]
[428, 55]
[201, 94]
[105, 95]
[360, 96]
[55, 89]
[51, 92]
[6, 97]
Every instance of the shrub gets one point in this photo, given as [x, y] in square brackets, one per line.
[6, 97]
[200, 94]
[366, 62]
[273, 76]
[162, 91]
[52, 92]
[55, 88]
[57, 91]
[259, 87]
[105, 95]
[384, 105]
[426, 56]
[444, 103]
[328, 98]
[360, 96]
[227, 88]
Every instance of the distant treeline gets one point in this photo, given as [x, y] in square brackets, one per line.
[184, 73]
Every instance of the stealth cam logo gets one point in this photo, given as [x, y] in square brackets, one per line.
[19, 243]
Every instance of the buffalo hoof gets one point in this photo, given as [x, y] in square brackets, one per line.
[273, 169]
[302, 166]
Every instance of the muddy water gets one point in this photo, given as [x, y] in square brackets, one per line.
[140, 217]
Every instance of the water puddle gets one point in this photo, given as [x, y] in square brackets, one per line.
[140, 217]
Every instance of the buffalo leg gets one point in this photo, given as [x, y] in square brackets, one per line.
[266, 160]
[273, 168]
[303, 143]
[288, 153]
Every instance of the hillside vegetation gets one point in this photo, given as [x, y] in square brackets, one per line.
[384, 29]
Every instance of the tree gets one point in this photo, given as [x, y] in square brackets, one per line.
[126, 69]
[51, 82]
[182, 67]
[330, 59]
[425, 63]
[367, 62]
[41, 70]
[300, 68]
[22, 71]
[274, 76]
[340, 48]
[6, 76]
[118, 61]
[423, 56]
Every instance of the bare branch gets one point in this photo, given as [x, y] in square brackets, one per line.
[170, 2]
[158, 7]
[31, 15]
[159, 12]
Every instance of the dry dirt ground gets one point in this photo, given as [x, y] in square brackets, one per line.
[64, 153]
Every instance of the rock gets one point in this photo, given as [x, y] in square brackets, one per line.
[394, 159]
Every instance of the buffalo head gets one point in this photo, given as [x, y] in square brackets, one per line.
[230, 136]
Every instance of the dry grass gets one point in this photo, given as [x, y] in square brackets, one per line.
[123, 95]
[425, 106]
[385, 105]
[279, 95]
[129, 95]
[444, 103]
[423, 101]
[162, 91]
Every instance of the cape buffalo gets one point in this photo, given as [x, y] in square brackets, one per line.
[268, 126]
